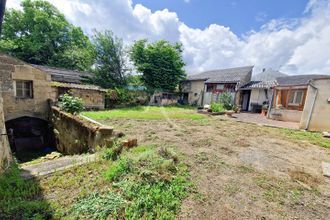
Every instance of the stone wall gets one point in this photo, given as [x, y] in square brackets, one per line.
[12, 69]
[92, 99]
[75, 135]
[5, 154]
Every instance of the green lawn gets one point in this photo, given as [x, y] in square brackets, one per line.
[148, 112]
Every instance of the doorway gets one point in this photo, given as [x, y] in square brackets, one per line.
[246, 94]
[30, 138]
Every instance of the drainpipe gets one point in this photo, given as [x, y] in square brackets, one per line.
[311, 111]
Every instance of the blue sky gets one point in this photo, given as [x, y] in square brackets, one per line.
[240, 15]
[291, 36]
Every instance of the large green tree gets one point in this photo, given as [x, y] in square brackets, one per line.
[110, 62]
[160, 63]
[40, 34]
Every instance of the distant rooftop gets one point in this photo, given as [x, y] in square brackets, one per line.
[65, 75]
[259, 85]
[231, 75]
[77, 86]
[298, 80]
[268, 75]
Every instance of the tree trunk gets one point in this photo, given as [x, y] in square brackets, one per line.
[2, 12]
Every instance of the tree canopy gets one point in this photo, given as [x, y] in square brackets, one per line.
[40, 34]
[160, 63]
[110, 62]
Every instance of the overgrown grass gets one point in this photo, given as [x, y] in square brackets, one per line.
[147, 112]
[148, 183]
[311, 137]
[20, 198]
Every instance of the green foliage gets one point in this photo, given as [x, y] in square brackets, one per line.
[118, 168]
[217, 107]
[71, 104]
[98, 206]
[122, 97]
[161, 64]
[227, 100]
[134, 80]
[110, 62]
[40, 34]
[148, 113]
[20, 198]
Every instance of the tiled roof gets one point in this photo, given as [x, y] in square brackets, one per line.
[223, 75]
[64, 75]
[77, 86]
[298, 80]
[259, 85]
[268, 75]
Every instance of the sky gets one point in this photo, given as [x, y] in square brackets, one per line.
[290, 36]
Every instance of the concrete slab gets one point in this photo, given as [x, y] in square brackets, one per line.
[49, 167]
[326, 169]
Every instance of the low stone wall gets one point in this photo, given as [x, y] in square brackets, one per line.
[5, 154]
[285, 115]
[75, 135]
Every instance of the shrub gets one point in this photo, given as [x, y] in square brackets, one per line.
[98, 206]
[227, 100]
[71, 104]
[217, 107]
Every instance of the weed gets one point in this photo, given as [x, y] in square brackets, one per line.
[98, 206]
[20, 198]
[118, 168]
[315, 138]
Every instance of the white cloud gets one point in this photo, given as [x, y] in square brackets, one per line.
[295, 46]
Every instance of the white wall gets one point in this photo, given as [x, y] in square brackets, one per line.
[320, 114]
[259, 96]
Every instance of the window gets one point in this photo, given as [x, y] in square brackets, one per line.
[296, 97]
[23, 89]
[210, 87]
[220, 86]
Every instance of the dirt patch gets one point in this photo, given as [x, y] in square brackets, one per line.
[241, 171]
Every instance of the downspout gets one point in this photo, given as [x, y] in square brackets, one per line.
[271, 103]
[313, 104]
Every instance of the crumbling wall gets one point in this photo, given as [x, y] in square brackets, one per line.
[75, 135]
[5, 154]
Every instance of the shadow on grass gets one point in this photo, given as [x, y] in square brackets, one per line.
[22, 198]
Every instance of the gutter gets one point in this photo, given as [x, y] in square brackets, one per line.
[312, 109]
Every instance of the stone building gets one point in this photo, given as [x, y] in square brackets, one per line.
[27, 91]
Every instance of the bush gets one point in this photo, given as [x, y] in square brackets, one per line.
[227, 100]
[124, 97]
[217, 107]
[71, 104]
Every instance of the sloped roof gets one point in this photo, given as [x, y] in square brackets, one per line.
[259, 85]
[64, 75]
[298, 80]
[77, 86]
[268, 75]
[223, 75]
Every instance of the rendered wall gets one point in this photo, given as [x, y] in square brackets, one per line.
[195, 90]
[319, 114]
[285, 115]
